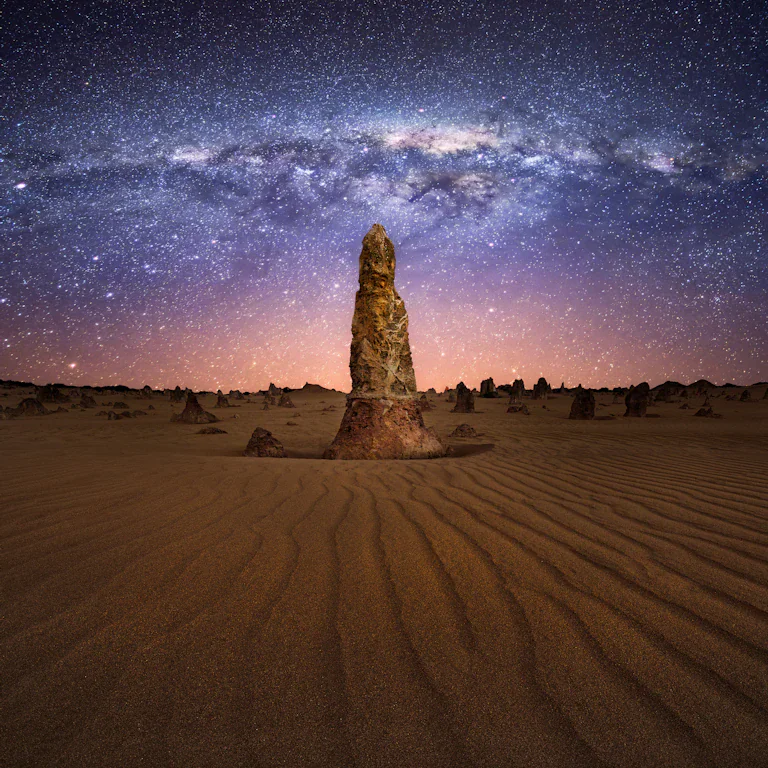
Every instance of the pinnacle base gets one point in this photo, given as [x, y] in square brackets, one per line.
[384, 428]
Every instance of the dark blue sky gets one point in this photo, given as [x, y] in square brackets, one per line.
[574, 190]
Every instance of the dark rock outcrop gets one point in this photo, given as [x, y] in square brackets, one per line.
[221, 401]
[464, 430]
[541, 389]
[583, 405]
[746, 396]
[30, 406]
[212, 431]
[637, 400]
[177, 396]
[86, 401]
[285, 401]
[424, 403]
[264, 445]
[488, 388]
[52, 394]
[519, 408]
[382, 419]
[193, 413]
[517, 391]
[465, 399]
[708, 413]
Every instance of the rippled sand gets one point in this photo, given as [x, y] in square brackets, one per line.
[558, 593]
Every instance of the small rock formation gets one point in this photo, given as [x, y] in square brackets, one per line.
[465, 399]
[382, 419]
[193, 413]
[146, 392]
[541, 389]
[583, 405]
[177, 396]
[285, 401]
[519, 408]
[488, 388]
[221, 401]
[263, 445]
[236, 394]
[464, 430]
[269, 399]
[685, 407]
[120, 405]
[451, 397]
[637, 400]
[265, 407]
[150, 407]
[30, 406]
[516, 392]
[52, 394]
[746, 396]
[86, 401]
[274, 391]
[212, 431]
[424, 403]
[708, 413]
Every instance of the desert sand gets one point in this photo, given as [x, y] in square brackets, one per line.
[555, 593]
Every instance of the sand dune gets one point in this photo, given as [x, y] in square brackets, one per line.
[558, 593]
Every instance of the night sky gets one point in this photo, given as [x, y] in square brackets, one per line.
[575, 190]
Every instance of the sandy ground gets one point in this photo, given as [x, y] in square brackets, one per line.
[560, 594]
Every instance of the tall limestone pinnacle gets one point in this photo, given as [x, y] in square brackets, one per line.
[380, 356]
[383, 419]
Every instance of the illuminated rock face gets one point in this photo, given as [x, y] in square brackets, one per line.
[383, 419]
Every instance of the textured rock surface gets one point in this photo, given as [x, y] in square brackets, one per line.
[285, 401]
[583, 405]
[519, 408]
[264, 445]
[746, 396]
[383, 419]
[380, 355]
[177, 396]
[637, 400]
[465, 399]
[193, 413]
[424, 403]
[381, 428]
[221, 401]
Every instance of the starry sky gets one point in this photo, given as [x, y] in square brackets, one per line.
[575, 190]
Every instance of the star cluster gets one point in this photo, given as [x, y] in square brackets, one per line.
[574, 190]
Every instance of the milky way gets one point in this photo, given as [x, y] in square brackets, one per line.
[577, 192]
